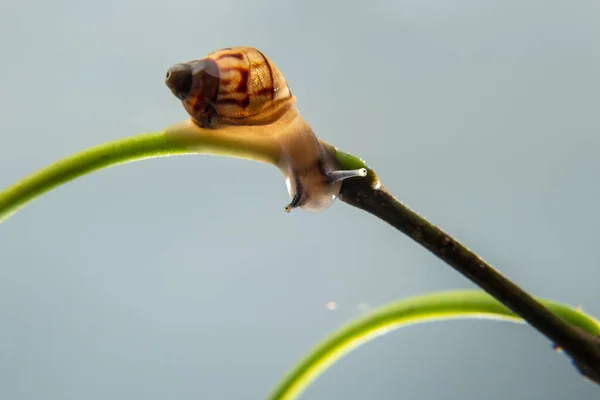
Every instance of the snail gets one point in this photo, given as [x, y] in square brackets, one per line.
[238, 95]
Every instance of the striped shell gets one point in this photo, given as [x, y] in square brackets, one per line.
[232, 86]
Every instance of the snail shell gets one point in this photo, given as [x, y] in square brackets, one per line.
[233, 86]
[240, 95]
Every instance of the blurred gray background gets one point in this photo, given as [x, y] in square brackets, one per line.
[183, 278]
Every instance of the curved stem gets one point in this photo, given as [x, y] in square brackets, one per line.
[130, 149]
[181, 138]
[467, 304]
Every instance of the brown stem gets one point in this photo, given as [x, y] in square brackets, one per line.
[368, 194]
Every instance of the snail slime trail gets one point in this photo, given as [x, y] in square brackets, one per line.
[238, 95]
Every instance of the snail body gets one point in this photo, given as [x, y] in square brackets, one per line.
[240, 96]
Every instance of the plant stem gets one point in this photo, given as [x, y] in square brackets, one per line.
[370, 195]
[178, 139]
[130, 149]
[464, 304]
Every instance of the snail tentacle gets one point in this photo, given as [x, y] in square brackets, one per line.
[294, 203]
[337, 176]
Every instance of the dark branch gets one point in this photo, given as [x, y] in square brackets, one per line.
[368, 194]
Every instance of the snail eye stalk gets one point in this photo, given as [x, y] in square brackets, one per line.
[294, 204]
[337, 176]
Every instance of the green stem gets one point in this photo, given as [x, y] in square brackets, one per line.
[467, 304]
[178, 139]
[130, 149]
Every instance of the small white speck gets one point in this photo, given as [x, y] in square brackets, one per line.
[377, 185]
[332, 305]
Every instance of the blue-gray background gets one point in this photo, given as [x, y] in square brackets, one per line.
[183, 278]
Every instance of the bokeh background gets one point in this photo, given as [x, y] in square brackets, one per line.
[183, 278]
